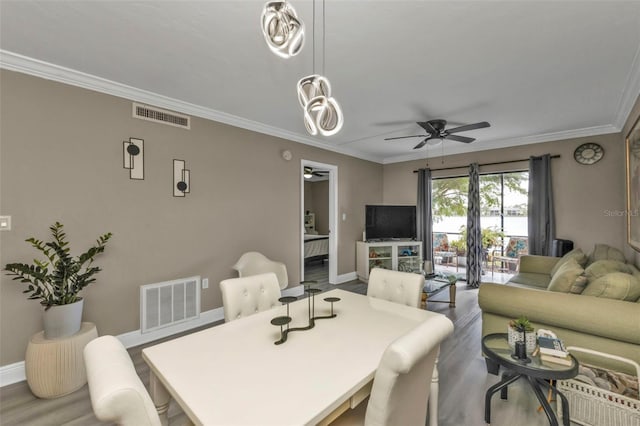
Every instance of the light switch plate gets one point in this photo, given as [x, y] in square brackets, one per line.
[5, 223]
[205, 283]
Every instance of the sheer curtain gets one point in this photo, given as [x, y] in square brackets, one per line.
[474, 232]
[423, 213]
[542, 224]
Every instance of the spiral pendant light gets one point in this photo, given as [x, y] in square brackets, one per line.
[282, 29]
[322, 113]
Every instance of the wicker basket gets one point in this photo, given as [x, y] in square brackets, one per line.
[593, 406]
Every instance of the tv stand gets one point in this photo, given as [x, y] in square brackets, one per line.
[396, 255]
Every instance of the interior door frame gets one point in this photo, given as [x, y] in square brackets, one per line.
[333, 216]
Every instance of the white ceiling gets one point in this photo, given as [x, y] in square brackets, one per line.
[535, 70]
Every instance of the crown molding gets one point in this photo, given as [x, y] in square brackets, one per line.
[507, 142]
[630, 93]
[15, 62]
[26, 65]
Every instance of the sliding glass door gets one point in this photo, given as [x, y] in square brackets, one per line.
[503, 198]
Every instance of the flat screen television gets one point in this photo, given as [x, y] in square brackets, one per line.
[390, 222]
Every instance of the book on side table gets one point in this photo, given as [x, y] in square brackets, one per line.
[552, 346]
[556, 359]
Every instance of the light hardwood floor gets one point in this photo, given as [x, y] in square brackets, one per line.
[463, 380]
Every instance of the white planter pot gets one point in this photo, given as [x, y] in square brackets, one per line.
[62, 320]
[515, 336]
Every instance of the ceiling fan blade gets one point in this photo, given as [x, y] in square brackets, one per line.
[421, 144]
[428, 127]
[404, 137]
[460, 138]
[480, 125]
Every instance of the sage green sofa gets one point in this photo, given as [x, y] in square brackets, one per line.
[588, 309]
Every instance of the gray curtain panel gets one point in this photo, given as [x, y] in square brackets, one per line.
[542, 224]
[423, 213]
[474, 232]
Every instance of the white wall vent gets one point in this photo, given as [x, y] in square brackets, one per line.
[157, 115]
[169, 303]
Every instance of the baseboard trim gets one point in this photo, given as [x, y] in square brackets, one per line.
[347, 277]
[14, 373]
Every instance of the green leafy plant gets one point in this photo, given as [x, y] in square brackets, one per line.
[521, 324]
[491, 237]
[58, 279]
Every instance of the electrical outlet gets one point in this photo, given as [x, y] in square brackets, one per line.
[205, 283]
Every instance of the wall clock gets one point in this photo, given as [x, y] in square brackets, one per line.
[588, 153]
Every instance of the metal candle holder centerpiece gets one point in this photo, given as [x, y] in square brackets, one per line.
[281, 321]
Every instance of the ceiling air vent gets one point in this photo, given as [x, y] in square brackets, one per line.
[145, 112]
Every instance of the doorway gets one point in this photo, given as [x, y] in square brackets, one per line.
[318, 213]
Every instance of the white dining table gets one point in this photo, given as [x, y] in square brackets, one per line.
[234, 374]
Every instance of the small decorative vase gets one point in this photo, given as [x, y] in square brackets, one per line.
[516, 336]
[62, 320]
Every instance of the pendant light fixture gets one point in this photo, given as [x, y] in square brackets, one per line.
[322, 113]
[282, 29]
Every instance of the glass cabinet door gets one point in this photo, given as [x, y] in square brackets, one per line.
[409, 259]
[380, 257]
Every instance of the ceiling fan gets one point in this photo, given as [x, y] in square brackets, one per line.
[436, 130]
[309, 173]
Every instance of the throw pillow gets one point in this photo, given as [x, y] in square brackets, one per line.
[601, 268]
[579, 285]
[565, 277]
[606, 252]
[576, 254]
[616, 285]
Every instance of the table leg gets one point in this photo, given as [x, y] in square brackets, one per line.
[160, 397]
[553, 421]
[565, 403]
[452, 295]
[433, 396]
[506, 381]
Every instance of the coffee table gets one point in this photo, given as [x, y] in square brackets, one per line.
[434, 284]
[496, 347]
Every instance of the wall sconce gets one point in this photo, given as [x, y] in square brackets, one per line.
[181, 179]
[133, 158]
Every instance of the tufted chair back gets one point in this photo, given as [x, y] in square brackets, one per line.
[254, 263]
[117, 394]
[402, 382]
[245, 296]
[394, 286]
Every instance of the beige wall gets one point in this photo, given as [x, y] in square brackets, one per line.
[633, 117]
[61, 159]
[319, 202]
[583, 194]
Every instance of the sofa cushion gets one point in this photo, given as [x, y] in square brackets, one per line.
[576, 254]
[616, 285]
[530, 279]
[566, 276]
[601, 268]
[606, 252]
[579, 285]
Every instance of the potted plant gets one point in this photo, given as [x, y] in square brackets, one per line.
[57, 280]
[517, 329]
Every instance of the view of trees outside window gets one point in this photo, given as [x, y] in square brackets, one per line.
[503, 200]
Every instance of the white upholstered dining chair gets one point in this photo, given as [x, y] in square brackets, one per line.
[402, 382]
[117, 394]
[246, 296]
[395, 286]
[254, 263]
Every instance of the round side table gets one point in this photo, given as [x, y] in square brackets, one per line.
[56, 367]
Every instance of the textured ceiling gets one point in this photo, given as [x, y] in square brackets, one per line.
[535, 70]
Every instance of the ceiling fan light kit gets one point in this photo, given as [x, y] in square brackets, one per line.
[437, 132]
[282, 30]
